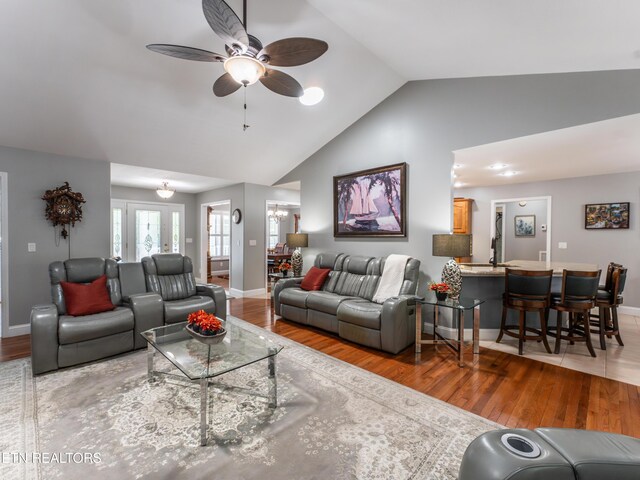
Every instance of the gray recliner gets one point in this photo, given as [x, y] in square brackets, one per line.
[61, 340]
[344, 304]
[551, 453]
[171, 276]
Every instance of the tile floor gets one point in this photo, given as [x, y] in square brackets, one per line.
[617, 363]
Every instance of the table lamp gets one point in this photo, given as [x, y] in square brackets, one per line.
[297, 241]
[452, 245]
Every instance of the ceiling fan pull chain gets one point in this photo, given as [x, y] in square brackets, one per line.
[244, 125]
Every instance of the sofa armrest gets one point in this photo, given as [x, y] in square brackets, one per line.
[279, 287]
[398, 323]
[219, 297]
[148, 312]
[44, 338]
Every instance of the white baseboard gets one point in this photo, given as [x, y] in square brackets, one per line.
[220, 272]
[234, 292]
[635, 311]
[452, 333]
[17, 330]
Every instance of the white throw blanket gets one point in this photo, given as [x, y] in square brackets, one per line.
[392, 278]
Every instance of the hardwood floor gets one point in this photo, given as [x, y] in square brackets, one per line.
[510, 390]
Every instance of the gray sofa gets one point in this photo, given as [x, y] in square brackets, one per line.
[60, 340]
[344, 304]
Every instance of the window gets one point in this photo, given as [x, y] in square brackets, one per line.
[274, 232]
[219, 233]
[116, 232]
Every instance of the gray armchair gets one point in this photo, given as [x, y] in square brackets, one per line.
[61, 340]
[171, 276]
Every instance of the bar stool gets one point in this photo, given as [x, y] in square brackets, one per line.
[577, 298]
[526, 291]
[606, 321]
[607, 279]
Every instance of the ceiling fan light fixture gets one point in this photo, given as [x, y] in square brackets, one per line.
[164, 191]
[312, 96]
[244, 70]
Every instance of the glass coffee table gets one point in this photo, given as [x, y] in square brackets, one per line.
[200, 363]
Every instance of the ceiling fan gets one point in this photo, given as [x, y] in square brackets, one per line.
[247, 61]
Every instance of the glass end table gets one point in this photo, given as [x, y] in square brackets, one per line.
[200, 363]
[459, 307]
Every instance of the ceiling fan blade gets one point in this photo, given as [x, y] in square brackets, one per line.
[225, 23]
[186, 53]
[225, 85]
[290, 52]
[280, 82]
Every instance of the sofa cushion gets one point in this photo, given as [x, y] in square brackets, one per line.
[87, 299]
[296, 297]
[360, 312]
[314, 279]
[178, 310]
[88, 327]
[325, 301]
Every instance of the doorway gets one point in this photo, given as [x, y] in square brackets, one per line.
[139, 230]
[521, 228]
[4, 257]
[281, 218]
[218, 244]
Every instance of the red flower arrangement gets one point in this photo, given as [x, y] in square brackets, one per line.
[441, 287]
[205, 323]
[284, 266]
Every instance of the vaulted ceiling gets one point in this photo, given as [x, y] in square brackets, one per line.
[77, 80]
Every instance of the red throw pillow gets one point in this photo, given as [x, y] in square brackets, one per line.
[314, 279]
[87, 299]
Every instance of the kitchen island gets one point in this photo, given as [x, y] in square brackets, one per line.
[486, 282]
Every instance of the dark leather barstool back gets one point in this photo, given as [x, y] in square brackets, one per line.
[579, 287]
[617, 286]
[526, 291]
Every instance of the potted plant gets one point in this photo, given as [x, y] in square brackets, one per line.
[284, 268]
[441, 290]
[205, 327]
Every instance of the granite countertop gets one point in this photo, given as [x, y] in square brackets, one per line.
[482, 270]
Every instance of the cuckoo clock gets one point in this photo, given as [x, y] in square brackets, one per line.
[64, 207]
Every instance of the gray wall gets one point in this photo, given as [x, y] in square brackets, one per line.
[423, 122]
[29, 175]
[567, 221]
[524, 248]
[148, 195]
[248, 263]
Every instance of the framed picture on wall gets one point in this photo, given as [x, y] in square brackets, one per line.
[525, 225]
[599, 216]
[370, 203]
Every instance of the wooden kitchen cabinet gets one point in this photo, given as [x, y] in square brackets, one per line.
[462, 220]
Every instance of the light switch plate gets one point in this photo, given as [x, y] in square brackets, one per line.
[253, 243]
[31, 247]
[562, 245]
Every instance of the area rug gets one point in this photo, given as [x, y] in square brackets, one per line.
[334, 421]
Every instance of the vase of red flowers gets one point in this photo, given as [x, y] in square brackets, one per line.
[205, 327]
[285, 268]
[441, 290]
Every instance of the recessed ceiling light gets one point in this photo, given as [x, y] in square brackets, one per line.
[498, 166]
[312, 96]
[458, 184]
[510, 173]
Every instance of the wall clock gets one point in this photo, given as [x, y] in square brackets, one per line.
[64, 207]
[237, 216]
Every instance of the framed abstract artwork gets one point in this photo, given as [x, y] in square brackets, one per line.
[370, 203]
[525, 225]
[602, 216]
